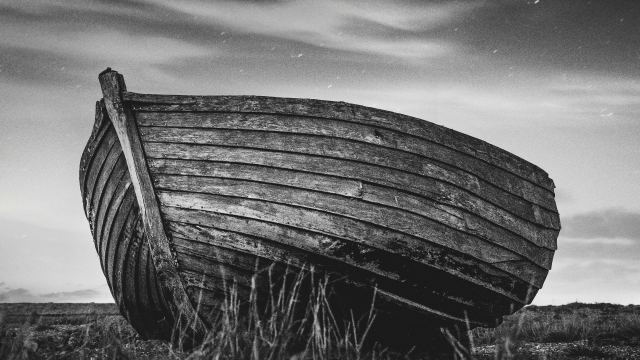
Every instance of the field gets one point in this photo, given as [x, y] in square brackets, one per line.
[97, 331]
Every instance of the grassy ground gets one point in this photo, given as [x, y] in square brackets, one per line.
[574, 331]
[577, 330]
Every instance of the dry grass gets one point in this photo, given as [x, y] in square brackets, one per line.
[287, 325]
[277, 330]
[569, 331]
[297, 322]
[566, 324]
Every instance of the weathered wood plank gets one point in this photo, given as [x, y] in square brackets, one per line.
[467, 207]
[202, 276]
[111, 189]
[110, 243]
[102, 181]
[120, 248]
[159, 319]
[100, 126]
[247, 235]
[154, 299]
[196, 262]
[354, 170]
[341, 149]
[358, 132]
[187, 320]
[210, 280]
[111, 213]
[313, 220]
[166, 309]
[266, 174]
[127, 308]
[344, 111]
[226, 267]
[366, 233]
[149, 320]
[210, 300]
[130, 247]
[453, 227]
[386, 195]
[418, 308]
[141, 282]
[97, 162]
[288, 247]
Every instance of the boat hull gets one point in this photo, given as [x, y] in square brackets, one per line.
[442, 227]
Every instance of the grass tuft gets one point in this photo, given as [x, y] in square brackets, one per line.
[297, 322]
[290, 324]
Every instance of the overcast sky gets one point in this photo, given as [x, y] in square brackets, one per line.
[556, 82]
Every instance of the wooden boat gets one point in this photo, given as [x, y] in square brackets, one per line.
[184, 193]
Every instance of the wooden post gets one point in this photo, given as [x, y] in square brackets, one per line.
[188, 327]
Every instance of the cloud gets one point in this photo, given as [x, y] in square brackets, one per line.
[605, 99]
[79, 294]
[24, 295]
[66, 8]
[569, 35]
[610, 223]
[54, 41]
[17, 295]
[393, 29]
[101, 44]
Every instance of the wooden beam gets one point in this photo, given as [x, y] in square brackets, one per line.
[188, 327]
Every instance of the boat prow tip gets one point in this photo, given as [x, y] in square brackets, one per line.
[108, 69]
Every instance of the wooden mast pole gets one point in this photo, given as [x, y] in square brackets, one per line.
[188, 328]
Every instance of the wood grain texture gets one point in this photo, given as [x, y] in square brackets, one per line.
[111, 191]
[101, 186]
[418, 222]
[215, 269]
[298, 247]
[344, 111]
[98, 131]
[350, 231]
[342, 149]
[394, 273]
[356, 132]
[125, 275]
[97, 162]
[111, 240]
[427, 203]
[355, 170]
[112, 211]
